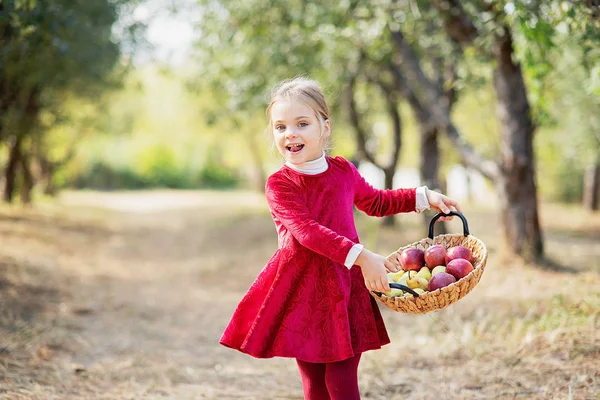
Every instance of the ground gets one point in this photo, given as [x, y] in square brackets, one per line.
[125, 295]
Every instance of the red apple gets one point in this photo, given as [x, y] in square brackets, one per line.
[440, 280]
[459, 268]
[435, 255]
[412, 259]
[458, 252]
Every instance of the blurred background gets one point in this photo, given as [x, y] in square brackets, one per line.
[490, 100]
[132, 142]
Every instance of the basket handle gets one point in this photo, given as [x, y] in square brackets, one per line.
[439, 215]
[399, 286]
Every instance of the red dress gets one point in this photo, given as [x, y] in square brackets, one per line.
[306, 303]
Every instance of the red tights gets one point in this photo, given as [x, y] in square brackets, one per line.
[330, 381]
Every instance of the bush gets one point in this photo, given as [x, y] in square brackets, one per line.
[217, 177]
[102, 176]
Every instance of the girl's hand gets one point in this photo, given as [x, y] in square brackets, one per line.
[441, 203]
[374, 268]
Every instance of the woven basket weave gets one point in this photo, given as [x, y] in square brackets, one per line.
[440, 298]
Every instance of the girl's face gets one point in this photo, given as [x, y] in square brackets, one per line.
[297, 131]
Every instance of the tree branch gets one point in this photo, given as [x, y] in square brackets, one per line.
[361, 135]
[457, 23]
[440, 110]
[392, 106]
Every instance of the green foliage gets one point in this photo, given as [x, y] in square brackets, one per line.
[158, 165]
[100, 175]
[216, 176]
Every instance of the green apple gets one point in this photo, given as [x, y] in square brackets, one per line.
[424, 273]
[419, 290]
[439, 268]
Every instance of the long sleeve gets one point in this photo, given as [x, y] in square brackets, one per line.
[287, 205]
[380, 203]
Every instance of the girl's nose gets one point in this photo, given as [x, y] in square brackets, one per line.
[291, 133]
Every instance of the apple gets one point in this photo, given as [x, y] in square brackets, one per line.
[438, 269]
[458, 252]
[435, 255]
[459, 268]
[440, 280]
[412, 259]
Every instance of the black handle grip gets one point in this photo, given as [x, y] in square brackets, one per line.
[439, 215]
[399, 286]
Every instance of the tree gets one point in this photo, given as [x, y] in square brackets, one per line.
[48, 49]
[244, 51]
[514, 173]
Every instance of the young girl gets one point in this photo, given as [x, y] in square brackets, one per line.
[311, 301]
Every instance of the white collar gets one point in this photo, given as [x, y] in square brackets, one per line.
[311, 167]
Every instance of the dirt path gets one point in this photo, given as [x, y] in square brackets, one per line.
[139, 288]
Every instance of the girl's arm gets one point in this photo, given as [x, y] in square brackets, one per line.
[287, 205]
[380, 203]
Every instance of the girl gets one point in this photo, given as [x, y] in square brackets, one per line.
[311, 301]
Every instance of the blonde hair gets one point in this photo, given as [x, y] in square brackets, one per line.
[301, 89]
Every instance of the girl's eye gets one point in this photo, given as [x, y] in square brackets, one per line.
[302, 124]
[279, 128]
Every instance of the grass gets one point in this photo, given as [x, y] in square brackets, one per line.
[124, 296]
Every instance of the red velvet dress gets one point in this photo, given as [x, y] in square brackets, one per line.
[306, 303]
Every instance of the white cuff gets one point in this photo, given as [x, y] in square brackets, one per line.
[353, 255]
[422, 202]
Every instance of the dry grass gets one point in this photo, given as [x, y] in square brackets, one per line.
[124, 296]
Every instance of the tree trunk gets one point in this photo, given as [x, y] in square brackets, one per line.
[429, 146]
[10, 173]
[390, 170]
[516, 186]
[591, 186]
[27, 181]
[390, 220]
[361, 135]
[260, 179]
[429, 168]
[514, 176]
[47, 172]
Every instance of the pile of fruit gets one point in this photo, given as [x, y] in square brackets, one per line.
[429, 270]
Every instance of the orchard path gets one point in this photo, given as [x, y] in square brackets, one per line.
[141, 285]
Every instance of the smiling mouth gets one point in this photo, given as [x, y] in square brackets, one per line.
[294, 148]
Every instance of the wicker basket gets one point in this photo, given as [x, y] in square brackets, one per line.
[440, 298]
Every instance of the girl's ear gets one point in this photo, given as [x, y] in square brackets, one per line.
[326, 129]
